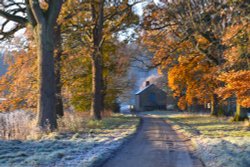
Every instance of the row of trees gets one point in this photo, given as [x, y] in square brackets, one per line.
[74, 57]
[203, 48]
[77, 48]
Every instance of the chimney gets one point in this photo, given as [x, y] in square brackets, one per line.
[147, 83]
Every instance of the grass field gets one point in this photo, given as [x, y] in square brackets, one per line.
[208, 126]
[85, 147]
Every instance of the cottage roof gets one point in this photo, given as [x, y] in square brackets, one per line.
[140, 91]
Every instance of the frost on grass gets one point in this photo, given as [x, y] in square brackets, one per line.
[83, 148]
[226, 152]
[16, 124]
[219, 142]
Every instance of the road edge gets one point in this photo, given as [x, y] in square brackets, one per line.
[191, 144]
[100, 162]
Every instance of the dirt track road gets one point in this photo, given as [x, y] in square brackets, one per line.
[155, 145]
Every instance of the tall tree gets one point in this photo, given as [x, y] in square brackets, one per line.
[97, 106]
[236, 71]
[179, 27]
[42, 16]
[101, 22]
[198, 23]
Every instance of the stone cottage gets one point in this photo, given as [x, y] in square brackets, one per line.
[150, 98]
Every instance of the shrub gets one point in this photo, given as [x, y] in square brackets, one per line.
[16, 125]
[72, 121]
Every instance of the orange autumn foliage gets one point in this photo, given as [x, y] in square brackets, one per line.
[19, 84]
[192, 80]
[237, 67]
[238, 84]
[201, 59]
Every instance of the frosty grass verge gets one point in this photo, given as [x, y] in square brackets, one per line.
[218, 142]
[77, 149]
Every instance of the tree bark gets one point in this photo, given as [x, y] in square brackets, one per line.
[97, 99]
[189, 108]
[103, 92]
[214, 105]
[97, 104]
[58, 57]
[46, 76]
[241, 113]
[229, 107]
[43, 22]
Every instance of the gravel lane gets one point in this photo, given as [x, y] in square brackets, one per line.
[156, 144]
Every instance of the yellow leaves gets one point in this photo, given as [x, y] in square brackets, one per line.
[20, 81]
[191, 79]
[233, 31]
[232, 55]
[236, 83]
[159, 71]
[237, 39]
[202, 41]
[182, 103]
[190, 75]
[245, 102]
[174, 77]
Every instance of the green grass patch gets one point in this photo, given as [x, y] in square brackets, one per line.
[209, 126]
[113, 122]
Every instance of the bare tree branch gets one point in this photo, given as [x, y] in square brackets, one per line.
[15, 18]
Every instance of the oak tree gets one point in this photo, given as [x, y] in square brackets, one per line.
[42, 17]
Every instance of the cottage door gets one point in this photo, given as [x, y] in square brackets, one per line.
[152, 98]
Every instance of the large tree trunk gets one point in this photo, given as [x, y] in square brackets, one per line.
[103, 93]
[97, 99]
[229, 107]
[214, 105]
[43, 22]
[97, 105]
[189, 108]
[241, 113]
[58, 57]
[46, 76]
[59, 101]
